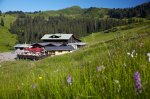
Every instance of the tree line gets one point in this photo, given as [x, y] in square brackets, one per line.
[138, 11]
[31, 29]
[0, 12]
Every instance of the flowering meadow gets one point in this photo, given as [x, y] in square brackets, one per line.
[113, 65]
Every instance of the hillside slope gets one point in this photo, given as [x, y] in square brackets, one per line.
[103, 69]
[31, 26]
[7, 40]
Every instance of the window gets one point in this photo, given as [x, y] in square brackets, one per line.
[60, 51]
[54, 36]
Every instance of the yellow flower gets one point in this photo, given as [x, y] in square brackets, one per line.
[40, 77]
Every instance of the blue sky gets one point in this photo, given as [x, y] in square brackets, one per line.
[36, 5]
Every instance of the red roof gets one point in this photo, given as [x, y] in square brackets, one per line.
[34, 49]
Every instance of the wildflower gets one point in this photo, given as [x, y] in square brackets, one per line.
[133, 51]
[119, 87]
[124, 65]
[116, 81]
[149, 59]
[69, 80]
[132, 54]
[34, 86]
[141, 44]
[148, 54]
[40, 77]
[128, 53]
[137, 82]
[100, 68]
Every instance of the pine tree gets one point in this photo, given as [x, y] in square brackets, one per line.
[2, 22]
[0, 12]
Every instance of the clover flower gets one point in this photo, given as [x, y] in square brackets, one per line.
[69, 80]
[137, 82]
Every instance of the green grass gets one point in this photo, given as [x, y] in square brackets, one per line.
[7, 40]
[20, 79]
[130, 30]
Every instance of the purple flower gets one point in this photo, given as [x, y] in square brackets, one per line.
[100, 68]
[69, 80]
[137, 82]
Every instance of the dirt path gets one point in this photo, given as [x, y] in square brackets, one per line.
[7, 56]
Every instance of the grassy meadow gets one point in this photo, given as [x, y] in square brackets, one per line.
[7, 40]
[102, 69]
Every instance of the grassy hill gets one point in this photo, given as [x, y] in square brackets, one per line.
[103, 69]
[7, 40]
[73, 12]
[90, 19]
[129, 30]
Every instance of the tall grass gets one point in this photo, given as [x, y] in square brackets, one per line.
[47, 78]
[7, 40]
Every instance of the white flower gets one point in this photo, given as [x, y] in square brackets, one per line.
[132, 54]
[124, 65]
[119, 86]
[128, 53]
[148, 54]
[136, 54]
[116, 81]
[133, 51]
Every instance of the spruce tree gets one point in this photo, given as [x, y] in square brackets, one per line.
[2, 22]
[0, 12]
